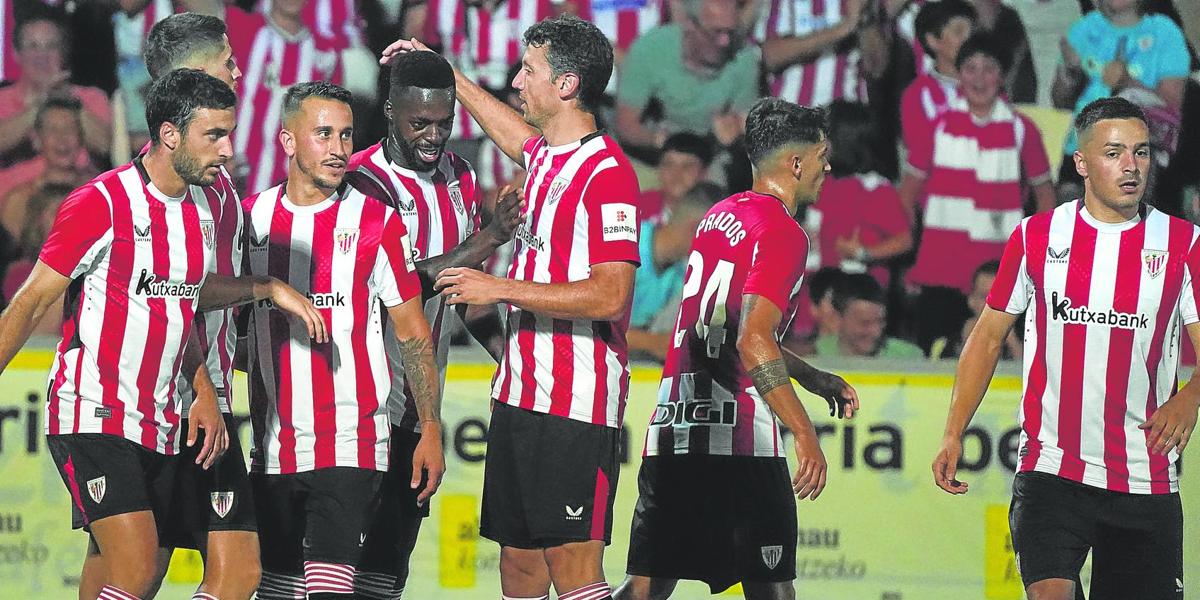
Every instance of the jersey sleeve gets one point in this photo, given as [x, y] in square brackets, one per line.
[1012, 287]
[887, 212]
[777, 266]
[395, 273]
[1188, 312]
[915, 129]
[81, 234]
[1034, 162]
[610, 198]
[472, 197]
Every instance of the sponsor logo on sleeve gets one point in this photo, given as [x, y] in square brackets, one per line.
[619, 222]
[410, 254]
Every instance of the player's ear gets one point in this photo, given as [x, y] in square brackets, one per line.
[1080, 164]
[387, 110]
[288, 141]
[168, 135]
[568, 85]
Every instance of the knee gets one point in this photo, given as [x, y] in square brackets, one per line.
[576, 559]
[1051, 589]
[523, 566]
[233, 575]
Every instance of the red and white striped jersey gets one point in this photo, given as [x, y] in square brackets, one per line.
[1105, 304]
[440, 209]
[136, 259]
[707, 403]
[334, 23]
[272, 61]
[320, 406]
[924, 100]
[832, 76]
[582, 200]
[215, 330]
[483, 43]
[973, 190]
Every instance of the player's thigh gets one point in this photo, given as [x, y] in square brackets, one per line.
[769, 590]
[1140, 550]
[1053, 524]
[129, 544]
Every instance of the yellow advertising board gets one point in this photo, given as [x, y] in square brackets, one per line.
[881, 530]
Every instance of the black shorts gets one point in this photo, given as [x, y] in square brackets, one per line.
[1136, 540]
[317, 516]
[216, 499]
[393, 532]
[108, 475]
[548, 480]
[716, 519]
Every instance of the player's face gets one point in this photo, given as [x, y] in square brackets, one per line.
[421, 122]
[221, 64]
[679, 172]
[58, 139]
[535, 85]
[952, 37]
[862, 327]
[1114, 157]
[814, 164]
[322, 135]
[204, 146]
[980, 77]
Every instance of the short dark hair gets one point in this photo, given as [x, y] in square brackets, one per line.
[934, 16]
[986, 44]
[425, 70]
[700, 198]
[575, 46]
[990, 267]
[57, 102]
[690, 143]
[297, 94]
[856, 286]
[177, 38]
[45, 15]
[1103, 109]
[854, 144]
[774, 123]
[177, 96]
[822, 282]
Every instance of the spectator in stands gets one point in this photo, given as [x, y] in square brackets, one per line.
[658, 282]
[862, 319]
[682, 165]
[1119, 49]
[43, 205]
[941, 28]
[815, 316]
[971, 172]
[1004, 22]
[701, 72]
[131, 23]
[56, 136]
[41, 51]
[858, 223]
[981, 285]
[809, 50]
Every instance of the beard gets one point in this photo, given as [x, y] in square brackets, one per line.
[311, 172]
[408, 152]
[190, 169]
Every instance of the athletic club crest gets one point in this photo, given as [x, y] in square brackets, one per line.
[209, 231]
[771, 555]
[557, 187]
[222, 502]
[345, 239]
[1154, 260]
[456, 198]
[96, 488]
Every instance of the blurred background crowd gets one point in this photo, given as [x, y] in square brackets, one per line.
[949, 123]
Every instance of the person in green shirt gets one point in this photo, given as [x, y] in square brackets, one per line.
[698, 68]
[862, 312]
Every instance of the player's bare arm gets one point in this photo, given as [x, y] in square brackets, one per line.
[222, 291]
[763, 360]
[39, 292]
[604, 296]
[501, 123]
[478, 246]
[1172, 424]
[204, 412]
[841, 397]
[978, 362]
[420, 369]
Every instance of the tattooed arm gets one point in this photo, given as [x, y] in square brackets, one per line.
[421, 374]
[762, 358]
[842, 398]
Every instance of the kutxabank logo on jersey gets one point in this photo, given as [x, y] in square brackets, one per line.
[1061, 310]
[152, 286]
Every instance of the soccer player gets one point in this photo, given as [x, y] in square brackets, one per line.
[560, 390]
[320, 411]
[727, 383]
[438, 200]
[1108, 282]
[132, 250]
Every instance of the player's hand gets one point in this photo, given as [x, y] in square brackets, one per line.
[287, 299]
[811, 468]
[462, 285]
[399, 47]
[945, 466]
[1171, 425]
[841, 397]
[509, 212]
[205, 414]
[428, 461]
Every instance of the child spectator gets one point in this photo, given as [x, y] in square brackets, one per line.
[683, 164]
